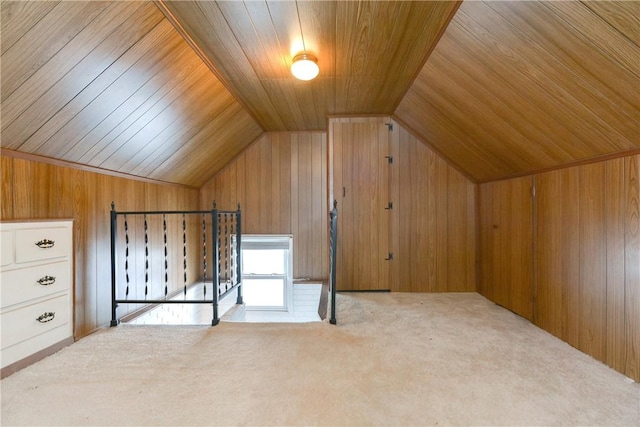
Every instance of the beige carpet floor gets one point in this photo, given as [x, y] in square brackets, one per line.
[393, 359]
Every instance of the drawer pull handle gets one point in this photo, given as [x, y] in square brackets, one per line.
[45, 244]
[46, 317]
[47, 280]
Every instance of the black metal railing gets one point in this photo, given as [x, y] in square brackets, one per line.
[333, 246]
[220, 268]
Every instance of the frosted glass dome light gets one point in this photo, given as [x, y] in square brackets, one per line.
[305, 67]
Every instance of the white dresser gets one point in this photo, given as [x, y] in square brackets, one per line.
[36, 290]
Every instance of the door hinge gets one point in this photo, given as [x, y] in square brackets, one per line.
[389, 126]
[389, 159]
[389, 257]
[389, 206]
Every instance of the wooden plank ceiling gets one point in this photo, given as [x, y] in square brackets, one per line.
[114, 85]
[511, 87]
[516, 87]
[368, 52]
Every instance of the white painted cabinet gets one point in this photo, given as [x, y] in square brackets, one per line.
[36, 290]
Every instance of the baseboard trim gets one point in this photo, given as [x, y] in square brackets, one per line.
[35, 357]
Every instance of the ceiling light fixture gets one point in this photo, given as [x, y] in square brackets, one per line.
[305, 66]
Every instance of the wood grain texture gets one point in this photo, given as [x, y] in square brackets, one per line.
[113, 85]
[41, 190]
[615, 250]
[362, 190]
[593, 280]
[506, 244]
[586, 257]
[251, 46]
[515, 87]
[433, 220]
[632, 266]
[6, 188]
[558, 253]
[280, 183]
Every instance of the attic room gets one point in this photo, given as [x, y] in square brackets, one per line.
[484, 160]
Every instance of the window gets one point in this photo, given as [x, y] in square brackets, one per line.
[267, 272]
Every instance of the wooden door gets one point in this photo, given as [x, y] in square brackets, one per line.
[506, 244]
[361, 187]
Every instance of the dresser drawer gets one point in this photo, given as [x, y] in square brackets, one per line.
[6, 243]
[27, 322]
[17, 286]
[40, 244]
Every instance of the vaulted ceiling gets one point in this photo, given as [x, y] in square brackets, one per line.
[175, 90]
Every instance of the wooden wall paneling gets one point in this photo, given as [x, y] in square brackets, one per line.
[397, 281]
[429, 194]
[6, 188]
[572, 242]
[507, 243]
[156, 240]
[335, 151]
[298, 262]
[593, 278]
[432, 255]
[549, 255]
[108, 190]
[84, 246]
[472, 237]
[52, 191]
[632, 266]
[303, 210]
[442, 221]
[457, 233]
[324, 206]
[23, 188]
[281, 181]
[87, 193]
[252, 188]
[43, 185]
[558, 241]
[318, 213]
[587, 259]
[615, 259]
[266, 186]
[362, 145]
[487, 248]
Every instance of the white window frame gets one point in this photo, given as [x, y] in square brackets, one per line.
[266, 241]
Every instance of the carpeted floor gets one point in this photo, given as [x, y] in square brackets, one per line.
[393, 359]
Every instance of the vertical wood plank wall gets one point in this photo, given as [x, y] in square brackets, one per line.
[506, 244]
[432, 226]
[31, 189]
[361, 177]
[280, 183]
[433, 221]
[586, 231]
